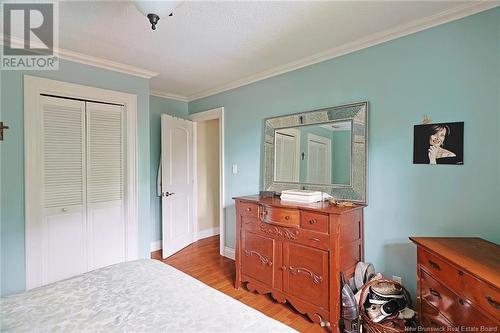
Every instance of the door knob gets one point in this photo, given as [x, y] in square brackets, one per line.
[167, 194]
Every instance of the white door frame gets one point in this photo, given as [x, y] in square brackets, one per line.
[33, 87]
[217, 113]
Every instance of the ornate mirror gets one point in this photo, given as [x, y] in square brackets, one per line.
[324, 150]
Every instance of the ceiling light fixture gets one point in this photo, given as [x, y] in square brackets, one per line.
[154, 10]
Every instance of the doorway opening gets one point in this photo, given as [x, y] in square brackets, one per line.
[209, 176]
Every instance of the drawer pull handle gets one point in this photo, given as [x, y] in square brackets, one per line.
[283, 268]
[315, 239]
[461, 301]
[434, 293]
[249, 209]
[316, 279]
[460, 273]
[493, 303]
[434, 265]
[265, 261]
[287, 217]
[313, 221]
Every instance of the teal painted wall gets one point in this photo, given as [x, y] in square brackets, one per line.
[451, 73]
[341, 157]
[12, 159]
[157, 107]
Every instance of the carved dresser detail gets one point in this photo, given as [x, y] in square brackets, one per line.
[297, 251]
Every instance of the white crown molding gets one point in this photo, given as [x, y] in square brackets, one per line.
[104, 63]
[92, 61]
[371, 40]
[169, 96]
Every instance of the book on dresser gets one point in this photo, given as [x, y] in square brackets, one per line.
[296, 252]
[458, 283]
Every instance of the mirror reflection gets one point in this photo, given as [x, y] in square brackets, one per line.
[313, 154]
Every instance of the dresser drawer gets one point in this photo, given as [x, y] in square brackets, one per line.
[432, 318]
[314, 239]
[454, 307]
[483, 295]
[280, 216]
[314, 221]
[479, 292]
[248, 209]
[439, 268]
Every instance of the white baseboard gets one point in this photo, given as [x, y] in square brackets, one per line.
[155, 246]
[207, 233]
[229, 252]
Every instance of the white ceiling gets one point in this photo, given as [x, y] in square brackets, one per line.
[208, 46]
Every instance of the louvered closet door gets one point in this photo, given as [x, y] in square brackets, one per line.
[63, 221]
[105, 184]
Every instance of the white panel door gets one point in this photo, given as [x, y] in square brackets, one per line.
[319, 159]
[105, 187]
[177, 184]
[63, 227]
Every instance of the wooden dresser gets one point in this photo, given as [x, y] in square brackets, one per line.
[458, 283]
[297, 251]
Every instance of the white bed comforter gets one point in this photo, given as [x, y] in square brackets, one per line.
[137, 296]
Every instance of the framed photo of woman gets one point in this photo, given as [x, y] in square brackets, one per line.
[441, 143]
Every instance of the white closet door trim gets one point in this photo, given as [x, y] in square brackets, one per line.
[33, 87]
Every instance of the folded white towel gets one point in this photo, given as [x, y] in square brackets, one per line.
[302, 193]
[301, 199]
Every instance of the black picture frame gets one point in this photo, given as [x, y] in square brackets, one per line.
[439, 143]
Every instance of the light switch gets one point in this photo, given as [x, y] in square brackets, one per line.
[235, 169]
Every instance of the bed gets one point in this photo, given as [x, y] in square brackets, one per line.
[136, 296]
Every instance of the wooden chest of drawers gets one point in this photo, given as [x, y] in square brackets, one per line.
[458, 283]
[297, 251]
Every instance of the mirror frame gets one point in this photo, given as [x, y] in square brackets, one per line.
[357, 113]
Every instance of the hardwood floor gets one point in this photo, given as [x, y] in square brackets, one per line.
[202, 261]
